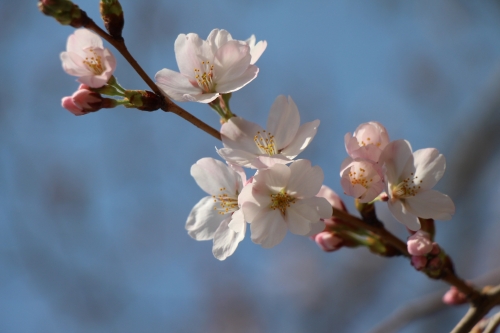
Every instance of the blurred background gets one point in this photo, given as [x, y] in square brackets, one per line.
[92, 209]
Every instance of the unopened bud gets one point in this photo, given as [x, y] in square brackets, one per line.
[454, 297]
[144, 100]
[419, 244]
[328, 241]
[419, 262]
[112, 15]
[64, 11]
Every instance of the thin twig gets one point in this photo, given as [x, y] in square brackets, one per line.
[493, 323]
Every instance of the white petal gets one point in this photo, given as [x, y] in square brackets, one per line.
[73, 64]
[297, 223]
[241, 157]
[395, 156]
[275, 178]
[257, 50]
[429, 167]
[331, 196]
[237, 223]
[203, 220]
[175, 85]
[188, 51]
[231, 60]
[305, 181]
[201, 98]
[302, 139]
[217, 38]
[232, 83]
[283, 121]
[321, 205]
[431, 204]
[239, 133]
[213, 175]
[401, 214]
[83, 39]
[268, 229]
[269, 161]
[316, 228]
[226, 240]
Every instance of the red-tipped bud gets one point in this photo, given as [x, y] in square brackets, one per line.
[454, 297]
[328, 241]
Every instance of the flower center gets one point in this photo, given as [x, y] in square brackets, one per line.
[265, 143]
[359, 178]
[281, 201]
[362, 143]
[204, 76]
[407, 188]
[224, 203]
[94, 63]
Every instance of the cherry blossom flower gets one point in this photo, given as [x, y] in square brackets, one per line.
[410, 178]
[217, 216]
[284, 197]
[256, 50]
[88, 59]
[368, 141]
[362, 179]
[219, 65]
[82, 101]
[247, 144]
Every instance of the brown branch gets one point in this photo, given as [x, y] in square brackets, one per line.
[169, 105]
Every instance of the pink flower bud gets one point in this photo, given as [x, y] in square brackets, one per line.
[419, 244]
[82, 101]
[419, 262]
[328, 241]
[454, 297]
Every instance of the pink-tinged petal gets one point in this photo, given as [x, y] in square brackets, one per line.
[176, 85]
[226, 240]
[109, 63]
[93, 81]
[372, 192]
[431, 204]
[269, 161]
[203, 220]
[217, 38]
[68, 104]
[283, 121]
[302, 139]
[316, 228]
[239, 133]
[230, 84]
[297, 223]
[201, 98]
[332, 197]
[352, 190]
[305, 181]
[372, 133]
[243, 177]
[419, 244]
[83, 39]
[401, 214]
[213, 175]
[429, 167]
[268, 229]
[306, 210]
[321, 205]
[238, 223]
[231, 60]
[395, 157]
[345, 164]
[241, 157]
[274, 178]
[246, 195]
[73, 64]
[188, 49]
[257, 51]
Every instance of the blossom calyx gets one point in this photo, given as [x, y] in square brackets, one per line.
[112, 15]
[144, 100]
[64, 11]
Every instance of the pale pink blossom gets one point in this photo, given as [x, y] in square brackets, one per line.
[218, 216]
[368, 141]
[256, 50]
[410, 178]
[361, 179]
[82, 101]
[88, 59]
[420, 243]
[208, 68]
[249, 145]
[281, 198]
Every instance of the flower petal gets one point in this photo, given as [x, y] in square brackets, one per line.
[257, 50]
[302, 139]
[239, 133]
[283, 121]
[274, 179]
[232, 83]
[297, 219]
[231, 60]
[213, 175]
[203, 220]
[175, 85]
[401, 214]
[321, 205]
[305, 181]
[237, 223]
[395, 157]
[241, 157]
[431, 204]
[268, 228]
[188, 50]
[226, 240]
[429, 167]
[316, 228]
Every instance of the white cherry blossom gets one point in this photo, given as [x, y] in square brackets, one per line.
[219, 65]
[281, 198]
[368, 141]
[410, 178]
[249, 145]
[218, 216]
[88, 59]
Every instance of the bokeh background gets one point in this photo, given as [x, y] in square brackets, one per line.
[92, 209]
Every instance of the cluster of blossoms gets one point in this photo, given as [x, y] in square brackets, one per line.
[375, 164]
[284, 193]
